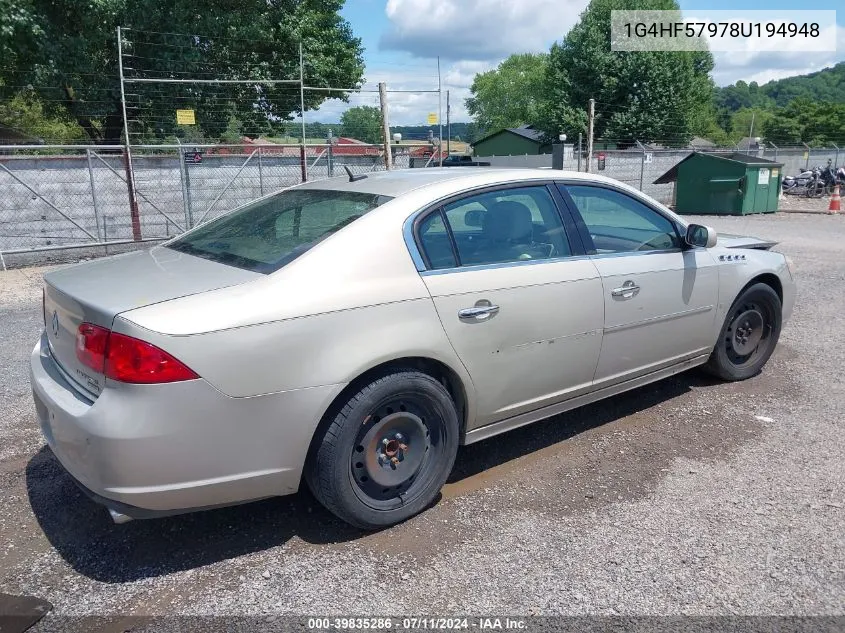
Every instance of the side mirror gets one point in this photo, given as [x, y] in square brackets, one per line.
[701, 236]
[474, 217]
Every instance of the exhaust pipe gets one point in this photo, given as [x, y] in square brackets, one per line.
[119, 518]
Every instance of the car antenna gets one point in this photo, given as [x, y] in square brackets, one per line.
[353, 177]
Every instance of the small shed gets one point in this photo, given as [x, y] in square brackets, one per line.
[514, 141]
[724, 184]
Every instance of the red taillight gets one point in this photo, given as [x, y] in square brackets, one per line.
[132, 360]
[127, 359]
[91, 343]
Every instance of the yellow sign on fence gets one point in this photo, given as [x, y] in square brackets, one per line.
[432, 118]
[185, 117]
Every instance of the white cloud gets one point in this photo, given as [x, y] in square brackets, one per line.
[411, 108]
[762, 66]
[473, 36]
[477, 29]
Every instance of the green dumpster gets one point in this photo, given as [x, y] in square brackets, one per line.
[724, 184]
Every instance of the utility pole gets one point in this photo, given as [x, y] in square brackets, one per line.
[385, 125]
[448, 126]
[592, 117]
[439, 113]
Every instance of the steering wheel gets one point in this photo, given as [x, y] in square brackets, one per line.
[648, 245]
[535, 245]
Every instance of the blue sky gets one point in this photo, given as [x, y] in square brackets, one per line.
[402, 39]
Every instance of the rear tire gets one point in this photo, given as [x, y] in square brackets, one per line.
[749, 335]
[387, 452]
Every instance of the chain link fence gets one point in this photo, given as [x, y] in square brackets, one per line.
[66, 196]
[640, 166]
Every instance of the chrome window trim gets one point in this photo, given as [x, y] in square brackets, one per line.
[524, 262]
[551, 260]
[411, 243]
[661, 251]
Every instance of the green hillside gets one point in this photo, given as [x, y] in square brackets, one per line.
[824, 85]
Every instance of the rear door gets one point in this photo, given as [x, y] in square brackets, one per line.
[521, 308]
[659, 298]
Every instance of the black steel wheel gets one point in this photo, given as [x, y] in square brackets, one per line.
[385, 455]
[749, 334]
[815, 189]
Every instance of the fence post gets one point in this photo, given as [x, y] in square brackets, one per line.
[385, 125]
[836, 159]
[93, 193]
[592, 117]
[302, 161]
[642, 163]
[776, 150]
[134, 213]
[260, 174]
[186, 193]
[330, 160]
[579, 151]
[807, 163]
[127, 152]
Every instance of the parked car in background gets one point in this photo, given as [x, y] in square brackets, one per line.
[354, 332]
[462, 160]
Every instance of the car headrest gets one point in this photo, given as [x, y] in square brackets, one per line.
[508, 220]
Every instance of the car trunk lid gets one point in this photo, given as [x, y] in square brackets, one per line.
[96, 291]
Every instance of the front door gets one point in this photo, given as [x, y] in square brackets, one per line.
[659, 298]
[523, 314]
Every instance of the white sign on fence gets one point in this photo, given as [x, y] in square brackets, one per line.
[648, 157]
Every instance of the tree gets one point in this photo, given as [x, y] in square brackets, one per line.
[25, 112]
[509, 95]
[649, 96]
[69, 54]
[362, 123]
[741, 123]
[812, 122]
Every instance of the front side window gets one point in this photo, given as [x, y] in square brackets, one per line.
[494, 227]
[618, 223]
[269, 233]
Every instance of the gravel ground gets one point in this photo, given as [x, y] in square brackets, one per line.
[686, 497]
[801, 204]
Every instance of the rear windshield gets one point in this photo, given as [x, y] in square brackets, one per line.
[269, 233]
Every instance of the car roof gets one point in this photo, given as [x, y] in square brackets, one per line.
[400, 181]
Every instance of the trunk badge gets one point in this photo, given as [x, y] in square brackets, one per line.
[55, 323]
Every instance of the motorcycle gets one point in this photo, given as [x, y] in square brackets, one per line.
[806, 183]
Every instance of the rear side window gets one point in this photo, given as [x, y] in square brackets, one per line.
[267, 234]
[494, 227]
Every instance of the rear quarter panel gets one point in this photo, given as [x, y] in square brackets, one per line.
[351, 303]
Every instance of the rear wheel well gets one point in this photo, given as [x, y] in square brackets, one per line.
[444, 374]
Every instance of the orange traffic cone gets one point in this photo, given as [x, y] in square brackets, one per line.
[835, 203]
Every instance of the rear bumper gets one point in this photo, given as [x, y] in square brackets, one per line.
[152, 450]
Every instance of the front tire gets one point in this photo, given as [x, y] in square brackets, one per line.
[387, 452]
[749, 334]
